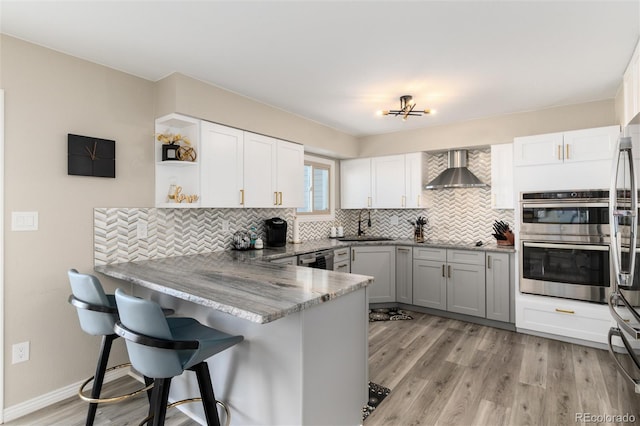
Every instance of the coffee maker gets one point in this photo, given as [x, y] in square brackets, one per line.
[276, 232]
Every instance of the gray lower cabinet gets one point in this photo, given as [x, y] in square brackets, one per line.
[466, 288]
[342, 260]
[429, 279]
[429, 284]
[380, 263]
[498, 286]
[450, 280]
[404, 275]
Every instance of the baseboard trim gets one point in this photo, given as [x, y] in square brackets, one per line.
[42, 401]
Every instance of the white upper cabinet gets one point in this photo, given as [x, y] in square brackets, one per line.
[290, 174]
[631, 87]
[415, 172]
[502, 189]
[566, 147]
[538, 149]
[387, 182]
[590, 144]
[221, 173]
[355, 183]
[173, 175]
[233, 168]
[260, 162]
[273, 172]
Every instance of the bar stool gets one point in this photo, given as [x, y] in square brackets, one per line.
[162, 348]
[97, 313]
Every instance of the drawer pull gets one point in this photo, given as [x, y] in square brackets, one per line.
[443, 270]
[403, 249]
[565, 311]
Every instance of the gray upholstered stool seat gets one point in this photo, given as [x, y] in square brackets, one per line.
[162, 348]
[97, 313]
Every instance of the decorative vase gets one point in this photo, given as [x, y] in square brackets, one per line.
[419, 234]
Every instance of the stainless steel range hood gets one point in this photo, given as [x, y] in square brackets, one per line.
[457, 175]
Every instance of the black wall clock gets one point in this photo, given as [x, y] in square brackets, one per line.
[89, 156]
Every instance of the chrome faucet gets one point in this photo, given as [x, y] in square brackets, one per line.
[360, 231]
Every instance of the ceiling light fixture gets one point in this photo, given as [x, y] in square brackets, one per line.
[407, 105]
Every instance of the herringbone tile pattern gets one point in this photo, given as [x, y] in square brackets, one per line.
[172, 232]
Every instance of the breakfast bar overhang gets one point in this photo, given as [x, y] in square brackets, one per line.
[304, 357]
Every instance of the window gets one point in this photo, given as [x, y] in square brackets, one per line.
[318, 185]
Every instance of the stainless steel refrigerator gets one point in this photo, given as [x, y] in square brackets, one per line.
[624, 336]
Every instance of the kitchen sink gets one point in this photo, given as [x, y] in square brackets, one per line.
[364, 238]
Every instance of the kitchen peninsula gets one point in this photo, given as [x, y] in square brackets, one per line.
[304, 357]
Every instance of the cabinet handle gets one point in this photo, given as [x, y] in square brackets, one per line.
[443, 271]
[403, 249]
[567, 149]
[368, 201]
[488, 262]
[559, 152]
[353, 255]
[280, 195]
[242, 197]
[275, 196]
[418, 200]
[565, 311]
[449, 271]
[403, 200]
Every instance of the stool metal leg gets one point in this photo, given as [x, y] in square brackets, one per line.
[160, 400]
[103, 359]
[206, 392]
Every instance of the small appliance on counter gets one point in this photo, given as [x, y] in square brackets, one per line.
[276, 232]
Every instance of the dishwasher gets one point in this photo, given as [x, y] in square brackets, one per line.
[322, 259]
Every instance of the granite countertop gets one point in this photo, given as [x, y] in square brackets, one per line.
[246, 285]
[238, 283]
[331, 243]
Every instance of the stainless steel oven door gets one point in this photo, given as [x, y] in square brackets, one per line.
[565, 218]
[571, 271]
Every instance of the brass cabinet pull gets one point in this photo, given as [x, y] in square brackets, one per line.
[368, 201]
[567, 149]
[559, 152]
[280, 195]
[242, 197]
[449, 271]
[565, 311]
[275, 196]
[403, 249]
[488, 261]
[403, 201]
[418, 200]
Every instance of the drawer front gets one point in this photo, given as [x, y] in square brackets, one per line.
[344, 266]
[430, 253]
[340, 255]
[469, 257]
[586, 323]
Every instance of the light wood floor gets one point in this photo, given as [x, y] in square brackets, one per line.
[446, 372]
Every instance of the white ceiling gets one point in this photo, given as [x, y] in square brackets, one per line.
[338, 62]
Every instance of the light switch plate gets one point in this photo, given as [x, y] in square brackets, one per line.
[24, 221]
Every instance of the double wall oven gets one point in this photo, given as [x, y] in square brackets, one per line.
[565, 245]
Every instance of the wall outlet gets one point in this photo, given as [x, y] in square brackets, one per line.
[141, 229]
[393, 220]
[20, 352]
[225, 226]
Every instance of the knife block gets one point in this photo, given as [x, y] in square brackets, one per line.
[509, 241]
